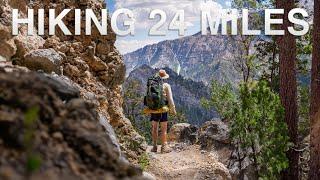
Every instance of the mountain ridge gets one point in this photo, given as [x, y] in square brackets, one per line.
[196, 57]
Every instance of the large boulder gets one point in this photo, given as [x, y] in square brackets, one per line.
[189, 135]
[175, 131]
[214, 134]
[47, 60]
[183, 132]
[48, 131]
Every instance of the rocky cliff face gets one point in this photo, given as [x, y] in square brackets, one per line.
[200, 58]
[90, 63]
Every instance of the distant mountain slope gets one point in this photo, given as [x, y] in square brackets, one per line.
[187, 93]
[197, 57]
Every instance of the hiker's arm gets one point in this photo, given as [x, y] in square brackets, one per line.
[170, 100]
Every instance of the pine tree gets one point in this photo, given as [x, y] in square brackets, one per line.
[315, 98]
[288, 87]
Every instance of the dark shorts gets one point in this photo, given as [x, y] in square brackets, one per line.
[161, 117]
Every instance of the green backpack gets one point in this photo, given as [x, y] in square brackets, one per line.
[154, 99]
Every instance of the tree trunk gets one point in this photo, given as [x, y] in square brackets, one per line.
[288, 88]
[315, 98]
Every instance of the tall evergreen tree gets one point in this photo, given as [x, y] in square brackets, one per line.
[288, 87]
[315, 97]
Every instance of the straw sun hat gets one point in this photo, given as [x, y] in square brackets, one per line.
[163, 74]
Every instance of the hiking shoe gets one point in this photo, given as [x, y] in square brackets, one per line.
[165, 149]
[154, 149]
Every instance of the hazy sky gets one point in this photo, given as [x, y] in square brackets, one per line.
[142, 9]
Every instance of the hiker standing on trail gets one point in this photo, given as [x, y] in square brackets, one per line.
[159, 100]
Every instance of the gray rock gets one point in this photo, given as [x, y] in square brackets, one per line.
[110, 132]
[47, 60]
[183, 132]
[175, 131]
[189, 135]
[214, 133]
[246, 173]
[62, 85]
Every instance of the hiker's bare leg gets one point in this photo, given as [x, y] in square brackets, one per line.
[164, 126]
[155, 132]
[164, 148]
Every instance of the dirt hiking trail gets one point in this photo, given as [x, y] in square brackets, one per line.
[186, 162]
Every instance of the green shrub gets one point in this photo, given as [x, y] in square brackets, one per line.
[257, 125]
[222, 98]
[144, 161]
[34, 160]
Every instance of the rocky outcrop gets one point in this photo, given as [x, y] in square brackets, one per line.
[16, 46]
[183, 132]
[91, 62]
[67, 141]
[47, 60]
[176, 130]
[215, 134]
[211, 135]
[48, 131]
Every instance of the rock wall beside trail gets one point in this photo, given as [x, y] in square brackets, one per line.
[90, 63]
[48, 132]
